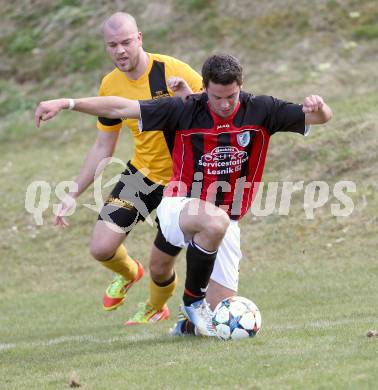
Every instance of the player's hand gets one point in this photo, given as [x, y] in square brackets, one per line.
[48, 109]
[65, 208]
[180, 87]
[312, 103]
[177, 83]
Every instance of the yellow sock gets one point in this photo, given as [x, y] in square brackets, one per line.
[159, 295]
[122, 264]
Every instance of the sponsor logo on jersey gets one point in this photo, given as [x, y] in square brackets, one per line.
[160, 94]
[223, 160]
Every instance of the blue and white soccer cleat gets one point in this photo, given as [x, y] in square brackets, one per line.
[183, 326]
[177, 328]
[200, 314]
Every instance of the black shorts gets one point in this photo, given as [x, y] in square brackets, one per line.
[132, 199]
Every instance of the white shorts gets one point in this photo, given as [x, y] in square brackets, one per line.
[226, 267]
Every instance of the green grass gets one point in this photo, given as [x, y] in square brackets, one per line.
[313, 280]
[317, 305]
[367, 32]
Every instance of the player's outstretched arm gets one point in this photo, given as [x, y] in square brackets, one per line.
[180, 87]
[316, 110]
[106, 106]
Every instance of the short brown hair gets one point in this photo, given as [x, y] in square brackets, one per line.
[222, 69]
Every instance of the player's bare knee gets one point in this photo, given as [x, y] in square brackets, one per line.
[160, 272]
[100, 252]
[216, 227]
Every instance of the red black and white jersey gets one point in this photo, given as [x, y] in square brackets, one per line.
[215, 159]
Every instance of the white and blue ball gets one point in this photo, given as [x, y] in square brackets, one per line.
[236, 318]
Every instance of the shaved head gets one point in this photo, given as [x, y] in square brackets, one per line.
[120, 20]
[123, 44]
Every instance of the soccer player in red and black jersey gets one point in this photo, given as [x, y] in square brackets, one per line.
[220, 146]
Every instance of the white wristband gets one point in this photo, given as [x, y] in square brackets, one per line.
[71, 104]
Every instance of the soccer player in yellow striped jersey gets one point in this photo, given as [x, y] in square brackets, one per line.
[151, 151]
[138, 75]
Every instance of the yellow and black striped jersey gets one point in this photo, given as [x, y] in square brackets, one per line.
[152, 150]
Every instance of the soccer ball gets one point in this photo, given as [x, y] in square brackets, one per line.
[236, 318]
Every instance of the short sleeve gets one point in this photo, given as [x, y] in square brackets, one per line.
[192, 78]
[284, 116]
[107, 124]
[178, 68]
[160, 114]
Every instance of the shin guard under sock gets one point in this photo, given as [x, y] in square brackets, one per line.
[199, 266]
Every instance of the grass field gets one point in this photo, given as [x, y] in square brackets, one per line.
[315, 281]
